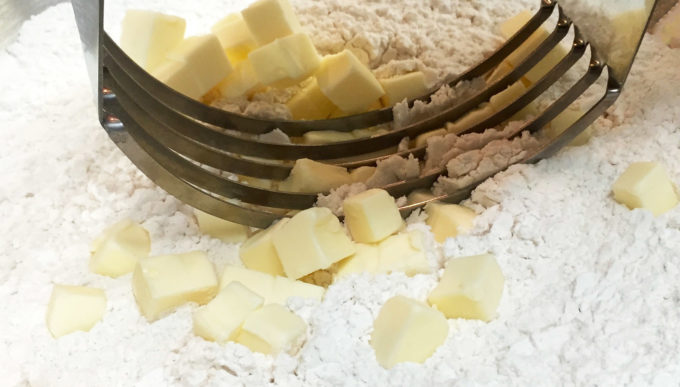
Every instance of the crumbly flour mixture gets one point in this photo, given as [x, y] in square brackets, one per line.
[591, 295]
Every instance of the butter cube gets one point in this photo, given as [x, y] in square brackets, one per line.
[545, 65]
[224, 230]
[235, 37]
[372, 216]
[471, 287]
[74, 308]
[362, 174]
[268, 20]
[365, 260]
[273, 329]
[507, 96]
[204, 56]
[258, 252]
[419, 196]
[220, 320]
[311, 104]
[522, 52]
[312, 240]
[242, 81]
[407, 330]
[509, 27]
[179, 77]
[312, 176]
[421, 140]
[404, 253]
[285, 61]
[449, 220]
[407, 86]
[349, 84]
[318, 137]
[563, 121]
[471, 119]
[273, 289]
[164, 282]
[116, 250]
[668, 28]
[148, 36]
[646, 185]
[499, 72]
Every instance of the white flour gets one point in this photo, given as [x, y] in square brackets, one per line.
[591, 294]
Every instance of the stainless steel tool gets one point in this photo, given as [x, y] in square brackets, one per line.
[180, 143]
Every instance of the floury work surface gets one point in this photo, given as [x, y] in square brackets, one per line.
[591, 293]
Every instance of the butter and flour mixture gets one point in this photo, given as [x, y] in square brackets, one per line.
[591, 296]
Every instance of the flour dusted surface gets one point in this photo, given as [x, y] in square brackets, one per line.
[591, 295]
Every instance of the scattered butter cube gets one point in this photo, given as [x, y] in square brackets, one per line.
[471, 119]
[318, 137]
[116, 250]
[563, 121]
[362, 174]
[258, 252]
[274, 289]
[421, 140]
[312, 240]
[312, 176]
[164, 282]
[507, 96]
[407, 330]
[206, 59]
[448, 220]
[220, 319]
[668, 28]
[349, 84]
[148, 36]
[471, 287]
[178, 76]
[224, 230]
[311, 104]
[74, 308]
[646, 185]
[509, 27]
[407, 86]
[285, 61]
[499, 72]
[372, 216]
[404, 253]
[365, 260]
[268, 20]
[273, 329]
[242, 81]
[419, 195]
[235, 37]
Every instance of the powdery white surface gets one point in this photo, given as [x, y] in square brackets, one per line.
[591, 294]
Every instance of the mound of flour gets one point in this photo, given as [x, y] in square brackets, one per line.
[591, 294]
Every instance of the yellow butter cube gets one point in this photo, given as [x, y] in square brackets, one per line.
[285, 61]
[268, 20]
[449, 220]
[180, 77]
[405, 253]
[362, 174]
[204, 56]
[545, 65]
[507, 96]
[471, 119]
[258, 252]
[499, 72]
[318, 137]
[407, 330]
[349, 84]
[312, 240]
[242, 81]
[471, 287]
[312, 176]
[509, 27]
[563, 121]
[224, 230]
[311, 104]
[74, 308]
[220, 320]
[407, 86]
[273, 289]
[273, 329]
[421, 140]
[419, 196]
[372, 216]
[528, 46]
[668, 28]
[646, 185]
[116, 250]
[148, 36]
[235, 37]
[365, 260]
[164, 282]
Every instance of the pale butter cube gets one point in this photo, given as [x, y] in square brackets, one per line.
[471, 288]
[407, 330]
[319, 137]
[668, 28]
[545, 65]
[148, 36]
[235, 37]
[365, 260]
[528, 46]
[563, 121]
[349, 84]
[646, 185]
[311, 104]
[404, 253]
[220, 320]
[179, 77]
[242, 81]
[507, 96]
[421, 140]
[273, 329]
[285, 61]
[258, 252]
[471, 119]
[74, 308]
[224, 230]
[372, 216]
[362, 174]
[312, 240]
[285, 288]
[164, 282]
[268, 20]
[407, 86]
[116, 250]
[499, 72]
[205, 59]
[419, 195]
[449, 220]
[273, 289]
[509, 27]
[312, 176]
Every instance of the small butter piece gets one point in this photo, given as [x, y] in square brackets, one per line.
[258, 252]
[235, 37]
[242, 81]
[365, 260]
[499, 72]
[471, 287]
[362, 174]
[312, 176]
[349, 84]
[273, 289]
[220, 319]
[74, 308]
[148, 36]
[164, 282]
[563, 121]
[311, 104]
[407, 330]
[471, 119]
[421, 140]
[507, 96]
[318, 137]
[268, 20]
[116, 250]
[204, 56]
[273, 329]
[419, 195]
[509, 27]
[312, 240]
[285, 61]
[407, 86]
[448, 220]
[372, 216]
[179, 77]
[646, 185]
[668, 28]
[405, 253]
[224, 230]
